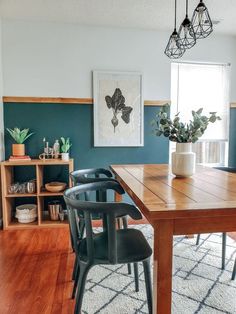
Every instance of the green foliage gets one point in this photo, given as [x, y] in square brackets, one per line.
[178, 131]
[20, 136]
[66, 145]
[117, 104]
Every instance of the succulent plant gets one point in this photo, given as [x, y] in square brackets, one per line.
[66, 145]
[178, 131]
[20, 136]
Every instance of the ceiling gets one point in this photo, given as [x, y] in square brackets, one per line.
[142, 14]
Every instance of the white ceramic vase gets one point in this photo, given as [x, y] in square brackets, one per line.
[65, 156]
[183, 160]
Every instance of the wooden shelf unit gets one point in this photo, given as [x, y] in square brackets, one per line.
[8, 200]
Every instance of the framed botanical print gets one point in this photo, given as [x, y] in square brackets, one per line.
[118, 108]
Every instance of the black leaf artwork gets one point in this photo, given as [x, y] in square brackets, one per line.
[117, 103]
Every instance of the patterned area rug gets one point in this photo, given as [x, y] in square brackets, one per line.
[199, 284]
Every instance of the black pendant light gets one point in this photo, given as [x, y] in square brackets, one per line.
[187, 38]
[201, 21]
[172, 50]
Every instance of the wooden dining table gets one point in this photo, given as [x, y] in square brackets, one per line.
[202, 203]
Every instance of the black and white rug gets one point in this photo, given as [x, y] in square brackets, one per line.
[199, 284]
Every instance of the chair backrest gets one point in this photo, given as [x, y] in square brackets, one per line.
[76, 232]
[84, 176]
[109, 212]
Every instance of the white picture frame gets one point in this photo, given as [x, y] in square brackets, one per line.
[118, 109]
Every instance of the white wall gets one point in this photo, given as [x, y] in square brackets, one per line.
[55, 59]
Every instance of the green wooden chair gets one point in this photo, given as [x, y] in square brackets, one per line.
[84, 176]
[110, 246]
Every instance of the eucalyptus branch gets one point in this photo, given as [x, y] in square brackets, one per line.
[178, 131]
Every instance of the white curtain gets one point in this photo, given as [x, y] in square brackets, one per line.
[194, 86]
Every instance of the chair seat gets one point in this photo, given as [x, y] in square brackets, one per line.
[131, 247]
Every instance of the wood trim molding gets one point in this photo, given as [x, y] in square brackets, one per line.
[62, 100]
[76, 101]
[46, 100]
[157, 103]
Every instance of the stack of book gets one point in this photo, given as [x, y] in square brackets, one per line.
[20, 158]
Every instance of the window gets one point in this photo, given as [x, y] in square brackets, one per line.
[194, 86]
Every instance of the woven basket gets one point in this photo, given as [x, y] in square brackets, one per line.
[26, 213]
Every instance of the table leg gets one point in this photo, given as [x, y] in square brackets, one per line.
[162, 278]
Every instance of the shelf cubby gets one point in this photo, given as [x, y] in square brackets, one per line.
[44, 211]
[43, 171]
[10, 211]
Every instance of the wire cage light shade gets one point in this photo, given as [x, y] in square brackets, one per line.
[187, 38]
[173, 51]
[201, 21]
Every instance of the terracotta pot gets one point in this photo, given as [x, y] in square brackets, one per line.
[18, 149]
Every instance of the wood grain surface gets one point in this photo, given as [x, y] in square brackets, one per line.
[68, 100]
[203, 203]
[35, 274]
[161, 195]
[8, 204]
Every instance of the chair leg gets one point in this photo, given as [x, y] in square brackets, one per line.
[224, 236]
[234, 271]
[136, 277]
[84, 269]
[129, 269]
[74, 268]
[125, 222]
[118, 223]
[81, 228]
[148, 283]
[77, 273]
[125, 226]
[198, 239]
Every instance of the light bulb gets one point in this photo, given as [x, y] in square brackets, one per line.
[201, 21]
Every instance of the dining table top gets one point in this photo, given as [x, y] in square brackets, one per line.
[161, 195]
[202, 203]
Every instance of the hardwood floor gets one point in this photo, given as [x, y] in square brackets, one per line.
[35, 271]
[35, 274]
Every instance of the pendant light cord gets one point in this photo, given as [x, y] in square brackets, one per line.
[175, 14]
[186, 7]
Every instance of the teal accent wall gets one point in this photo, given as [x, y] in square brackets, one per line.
[76, 121]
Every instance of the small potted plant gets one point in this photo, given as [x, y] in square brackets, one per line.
[19, 136]
[66, 145]
[184, 134]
